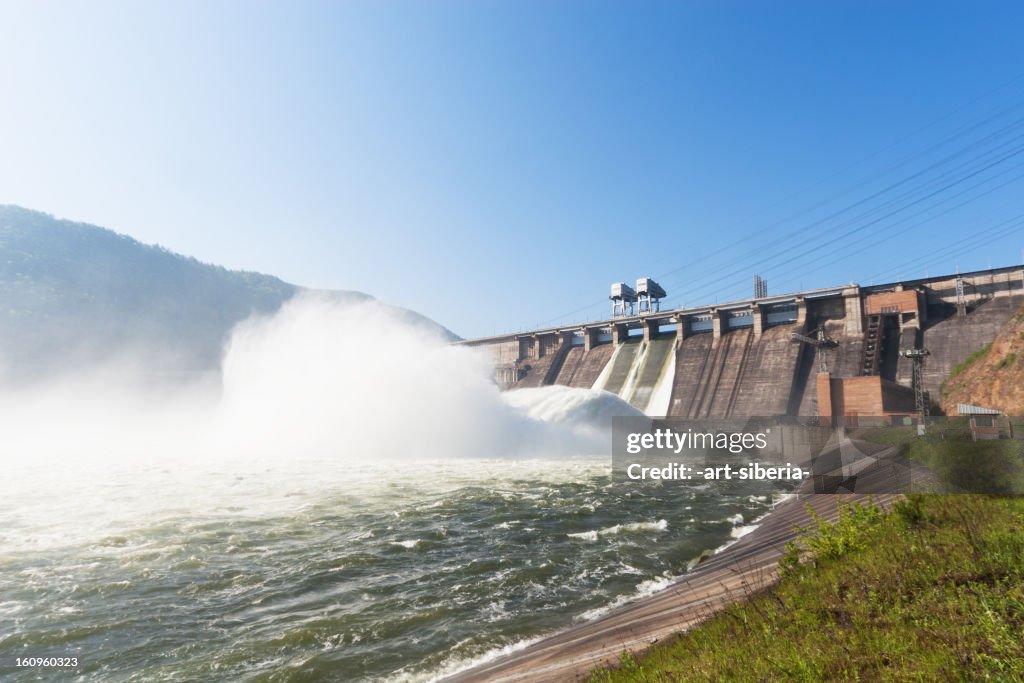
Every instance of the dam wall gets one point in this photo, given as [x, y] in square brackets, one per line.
[582, 367]
[767, 356]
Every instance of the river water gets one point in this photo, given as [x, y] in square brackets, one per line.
[338, 507]
[314, 572]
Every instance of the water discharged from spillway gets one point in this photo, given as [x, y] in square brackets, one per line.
[354, 500]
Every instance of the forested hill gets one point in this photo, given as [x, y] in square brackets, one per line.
[73, 294]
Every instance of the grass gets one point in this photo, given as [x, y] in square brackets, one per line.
[995, 466]
[933, 590]
[970, 360]
[889, 436]
[962, 465]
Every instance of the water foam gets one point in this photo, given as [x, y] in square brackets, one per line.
[356, 381]
[320, 392]
[659, 525]
[319, 378]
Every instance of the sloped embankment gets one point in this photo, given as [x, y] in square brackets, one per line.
[994, 376]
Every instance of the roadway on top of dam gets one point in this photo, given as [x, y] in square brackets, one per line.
[638, 319]
[666, 315]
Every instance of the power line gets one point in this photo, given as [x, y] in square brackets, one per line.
[1011, 226]
[933, 166]
[849, 233]
[866, 181]
[963, 131]
[946, 211]
[992, 115]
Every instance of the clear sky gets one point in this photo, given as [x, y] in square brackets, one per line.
[496, 165]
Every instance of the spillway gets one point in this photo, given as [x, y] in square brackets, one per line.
[582, 367]
[623, 363]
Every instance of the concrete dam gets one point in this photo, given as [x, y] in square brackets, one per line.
[838, 351]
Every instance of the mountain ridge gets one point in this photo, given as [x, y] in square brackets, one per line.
[74, 294]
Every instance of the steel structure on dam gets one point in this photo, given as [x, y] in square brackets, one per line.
[750, 357]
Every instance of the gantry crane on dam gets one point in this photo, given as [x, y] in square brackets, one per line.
[646, 298]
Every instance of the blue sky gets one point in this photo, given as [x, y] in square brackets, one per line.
[495, 165]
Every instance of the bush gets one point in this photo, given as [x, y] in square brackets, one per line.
[835, 539]
[830, 540]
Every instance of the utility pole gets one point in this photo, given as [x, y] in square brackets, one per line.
[961, 300]
[920, 400]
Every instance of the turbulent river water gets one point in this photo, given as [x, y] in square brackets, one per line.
[323, 573]
[338, 509]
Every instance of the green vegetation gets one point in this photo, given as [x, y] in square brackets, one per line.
[830, 540]
[889, 436]
[995, 466]
[978, 355]
[932, 591]
[961, 464]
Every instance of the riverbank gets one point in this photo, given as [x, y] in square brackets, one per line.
[740, 570]
[933, 592]
[746, 567]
